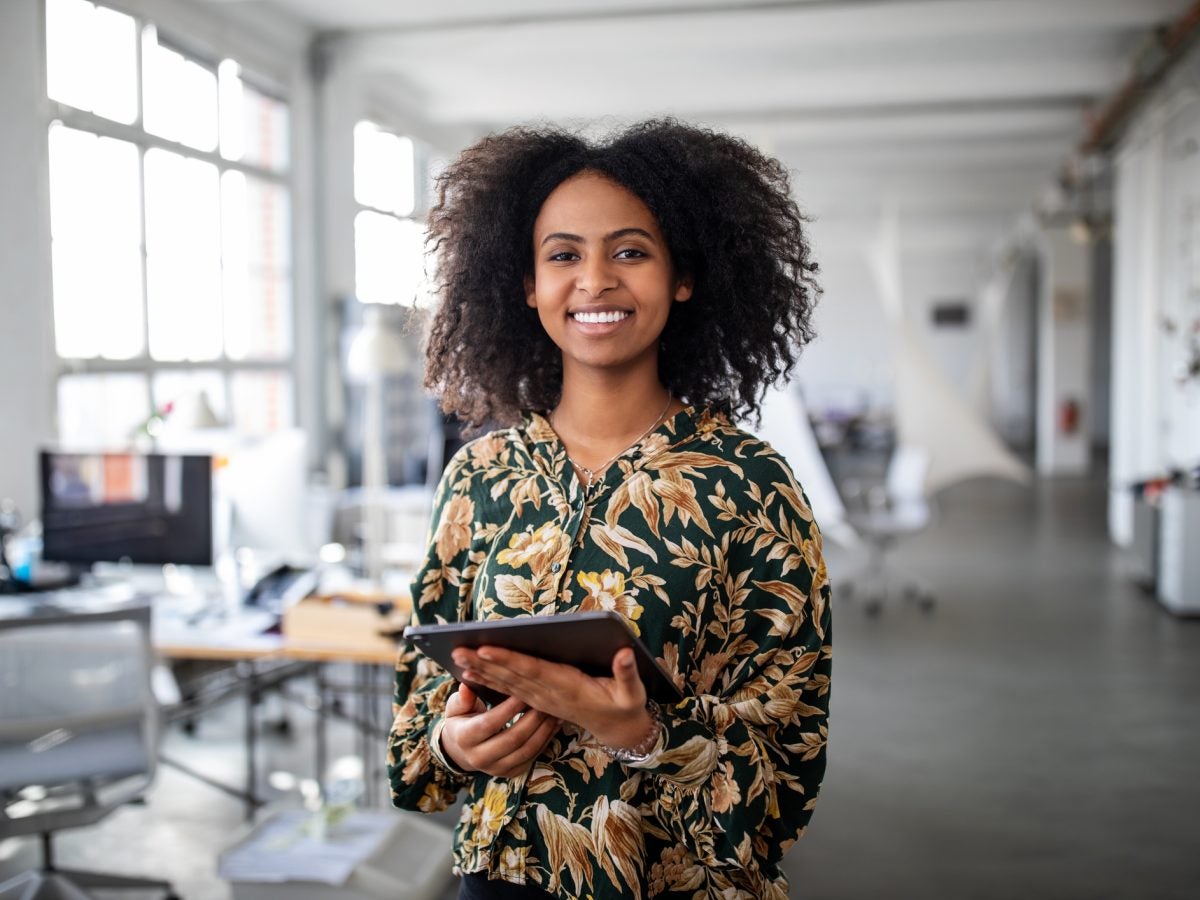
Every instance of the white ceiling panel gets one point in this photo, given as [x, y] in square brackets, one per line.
[966, 105]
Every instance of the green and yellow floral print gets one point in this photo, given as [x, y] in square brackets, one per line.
[701, 538]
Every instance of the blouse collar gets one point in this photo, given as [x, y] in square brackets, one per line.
[550, 456]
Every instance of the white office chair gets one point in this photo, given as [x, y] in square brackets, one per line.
[883, 515]
[78, 735]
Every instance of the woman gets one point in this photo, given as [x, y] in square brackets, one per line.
[618, 302]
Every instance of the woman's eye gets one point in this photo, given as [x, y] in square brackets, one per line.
[563, 256]
[630, 253]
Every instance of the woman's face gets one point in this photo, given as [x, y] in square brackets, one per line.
[602, 279]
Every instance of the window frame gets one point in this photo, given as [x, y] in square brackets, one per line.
[136, 134]
[422, 198]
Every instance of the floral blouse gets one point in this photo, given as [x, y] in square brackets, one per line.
[700, 537]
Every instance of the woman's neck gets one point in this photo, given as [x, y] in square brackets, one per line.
[596, 418]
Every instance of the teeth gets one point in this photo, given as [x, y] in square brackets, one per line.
[597, 318]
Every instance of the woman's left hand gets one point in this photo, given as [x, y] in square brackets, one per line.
[612, 709]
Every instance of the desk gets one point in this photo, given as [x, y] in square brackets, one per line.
[349, 628]
[315, 632]
[55, 606]
[323, 630]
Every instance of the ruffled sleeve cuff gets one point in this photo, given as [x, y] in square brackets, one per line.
[438, 754]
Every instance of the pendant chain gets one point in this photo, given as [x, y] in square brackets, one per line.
[603, 467]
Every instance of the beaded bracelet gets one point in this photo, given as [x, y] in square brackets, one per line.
[641, 752]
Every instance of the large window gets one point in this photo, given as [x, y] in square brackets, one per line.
[388, 241]
[170, 227]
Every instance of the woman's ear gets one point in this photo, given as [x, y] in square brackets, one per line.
[683, 289]
[530, 292]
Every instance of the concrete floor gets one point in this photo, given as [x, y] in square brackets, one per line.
[1036, 736]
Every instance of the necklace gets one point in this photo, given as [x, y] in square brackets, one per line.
[603, 467]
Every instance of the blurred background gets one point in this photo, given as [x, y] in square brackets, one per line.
[211, 242]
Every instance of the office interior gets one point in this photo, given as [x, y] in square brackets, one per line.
[211, 243]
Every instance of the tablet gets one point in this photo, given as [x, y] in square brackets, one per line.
[586, 640]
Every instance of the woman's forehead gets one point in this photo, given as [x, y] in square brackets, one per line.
[592, 202]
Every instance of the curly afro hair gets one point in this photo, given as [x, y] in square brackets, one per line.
[730, 224]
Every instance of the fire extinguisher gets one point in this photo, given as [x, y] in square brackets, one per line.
[1068, 416]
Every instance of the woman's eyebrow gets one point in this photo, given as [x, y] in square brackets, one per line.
[561, 236]
[627, 232]
[611, 236]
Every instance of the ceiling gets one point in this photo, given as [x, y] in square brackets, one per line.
[958, 112]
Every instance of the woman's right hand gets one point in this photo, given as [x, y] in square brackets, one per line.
[478, 739]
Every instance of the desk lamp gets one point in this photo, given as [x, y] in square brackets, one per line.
[375, 353]
[191, 411]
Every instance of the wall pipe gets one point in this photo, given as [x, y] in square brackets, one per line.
[1174, 41]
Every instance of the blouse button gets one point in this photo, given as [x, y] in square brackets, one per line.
[556, 567]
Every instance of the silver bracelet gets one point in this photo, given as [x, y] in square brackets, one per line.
[641, 752]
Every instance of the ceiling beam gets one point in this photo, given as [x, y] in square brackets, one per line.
[510, 96]
[1102, 13]
[612, 12]
[845, 193]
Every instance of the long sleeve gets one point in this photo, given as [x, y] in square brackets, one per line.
[441, 592]
[742, 758]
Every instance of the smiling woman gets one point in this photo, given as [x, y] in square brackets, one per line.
[727, 218]
[617, 303]
[604, 296]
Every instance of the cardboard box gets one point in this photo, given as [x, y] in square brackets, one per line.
[389, 855]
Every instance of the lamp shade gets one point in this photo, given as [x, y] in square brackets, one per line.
[376, 350]
[192, 411]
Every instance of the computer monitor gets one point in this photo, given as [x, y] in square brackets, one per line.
[139, 507]
[265, 483]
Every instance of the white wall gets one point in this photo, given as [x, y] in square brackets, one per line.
[850, 365]
[852, 362]
[1180, 256]
[26, 319]
[1064, 355]
[1155, 419]
[930, 278]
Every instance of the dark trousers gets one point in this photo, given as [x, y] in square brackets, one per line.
[477, 887]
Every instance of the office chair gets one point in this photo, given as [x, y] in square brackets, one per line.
[78, 735]
[883, 515]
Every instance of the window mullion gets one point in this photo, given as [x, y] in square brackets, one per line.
[222, 262]
[146, 365]
[145, 259]
[86, 121]
[139, 64]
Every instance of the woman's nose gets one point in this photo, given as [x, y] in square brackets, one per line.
[595, 276]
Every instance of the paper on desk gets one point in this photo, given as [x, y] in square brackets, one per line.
[244, 631]
[281, 850]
